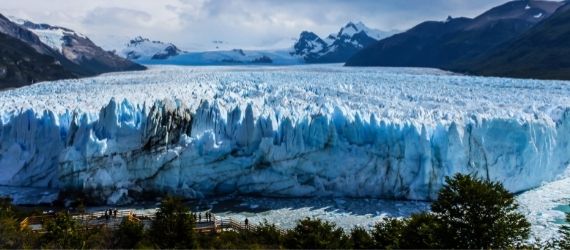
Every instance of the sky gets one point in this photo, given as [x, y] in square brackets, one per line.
[193, 25]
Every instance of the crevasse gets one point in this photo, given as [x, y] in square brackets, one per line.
[129, 151]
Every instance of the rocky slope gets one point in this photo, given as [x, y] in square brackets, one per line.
[79, 50]
[59, 53]
[21, 64]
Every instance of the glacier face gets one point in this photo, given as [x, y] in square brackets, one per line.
[298, 132]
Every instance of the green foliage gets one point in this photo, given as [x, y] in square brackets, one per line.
[361, 239]
[129, 234]
[316, 234]
[97, 238]
[477, 213]
[422, 230]
[62, 232]
[469, 213]
[267, 235]
[173, 226]
[387, 233]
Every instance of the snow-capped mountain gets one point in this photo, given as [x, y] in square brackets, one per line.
[74, 51]
[52, 36]
[336, 47]
[141, 48]
[231, 57]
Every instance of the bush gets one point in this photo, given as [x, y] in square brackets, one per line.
[422, 231]
[129, 234]
[62, 232]
[361, 239]
[478, 213]
[267, 235]
[9, 235]
[387, 233]
[173, 226]
[316, 234]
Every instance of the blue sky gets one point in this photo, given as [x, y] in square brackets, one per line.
[249, 24]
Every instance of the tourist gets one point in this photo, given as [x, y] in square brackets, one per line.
[199, 217]
[246, 223]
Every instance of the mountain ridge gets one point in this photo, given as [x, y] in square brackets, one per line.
[441, 44]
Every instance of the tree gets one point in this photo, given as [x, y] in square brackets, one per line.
[173, 226]
[11, 235]
[387, 233]
[62, 232]
[129, 234]
[421, 231]
[315, 234]
[267, 235]
[477, 213]
[361, 239]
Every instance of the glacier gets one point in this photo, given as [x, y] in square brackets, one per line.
[281, 132]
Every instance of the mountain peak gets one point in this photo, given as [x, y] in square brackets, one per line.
[143, 48]
[352, 28]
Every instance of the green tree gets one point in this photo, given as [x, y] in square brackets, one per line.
[361, 239]
[62, 232]
[477, 213]
[267, 235]
[173, 226]
[11, 235]
[316, 234]
[387, 233]
[129, 234]
[421, 231]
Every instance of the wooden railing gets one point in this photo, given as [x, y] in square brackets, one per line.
[98, 219]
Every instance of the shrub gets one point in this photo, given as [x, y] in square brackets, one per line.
[361, 239]
[315, 234]
[129, 234]
[422, 231]
[62, 232]
[173, 226]
[387, 233]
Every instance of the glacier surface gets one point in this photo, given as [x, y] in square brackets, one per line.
[300, 131]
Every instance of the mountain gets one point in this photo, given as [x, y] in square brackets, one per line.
[59, 53]
[88, 58]
[21, 64]
[443, 44]
[230, 57]
[542, 52]
[141, 48]
[336, 47]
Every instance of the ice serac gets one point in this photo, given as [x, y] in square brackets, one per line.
[128, 151]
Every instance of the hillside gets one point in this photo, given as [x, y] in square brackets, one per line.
[21, 64]
[442, 44]
[542, 52]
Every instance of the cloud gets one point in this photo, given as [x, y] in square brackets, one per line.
[193, 24]
[113, 16]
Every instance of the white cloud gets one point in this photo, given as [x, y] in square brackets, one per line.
[194, 24]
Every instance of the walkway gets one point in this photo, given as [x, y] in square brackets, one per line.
[99, 219]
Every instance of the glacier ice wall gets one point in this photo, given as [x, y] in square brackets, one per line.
[126, 151]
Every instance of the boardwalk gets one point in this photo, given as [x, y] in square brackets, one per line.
[99, 219]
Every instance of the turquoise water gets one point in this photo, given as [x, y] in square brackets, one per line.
[562, 208]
